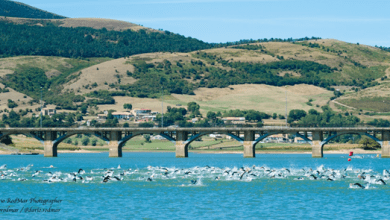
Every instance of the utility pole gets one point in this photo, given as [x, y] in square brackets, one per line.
[162, 107]
[286, 106]
[41, 107]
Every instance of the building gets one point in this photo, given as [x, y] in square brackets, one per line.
[49, 111]
[217, 136]
[148, 118]
[157, 137]
[122, 115]
[234, 120]
[193, 120]
[277, 138]
[117, 115]
[139, 113]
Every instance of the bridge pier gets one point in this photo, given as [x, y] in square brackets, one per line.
[385, 144]
[115, 148]
[50, 148]
[249, 147]
[317, 147]
[181, 144]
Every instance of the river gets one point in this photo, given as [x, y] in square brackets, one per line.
[203, 186]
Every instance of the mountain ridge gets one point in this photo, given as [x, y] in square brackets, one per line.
[17, 9]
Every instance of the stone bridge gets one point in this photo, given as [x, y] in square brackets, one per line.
[182, 137]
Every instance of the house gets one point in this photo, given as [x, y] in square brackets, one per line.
[138, 113]
[216, 136]
[193, 120]
[277, 138]
[149, 118]
[157, 137]
[49, 111]
[122, 115]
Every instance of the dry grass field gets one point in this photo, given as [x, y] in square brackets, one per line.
[49, 64]
[96, 23]
[269, 99]
[20, 99]
[374, 99]
[99, 23]
[103, 74]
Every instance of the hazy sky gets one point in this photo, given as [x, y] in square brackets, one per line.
[363, 21]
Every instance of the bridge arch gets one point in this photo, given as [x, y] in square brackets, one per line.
[200, 134]
[128, 137]
[264, 136]
[329, 138]
[62, 137]
[3, 135]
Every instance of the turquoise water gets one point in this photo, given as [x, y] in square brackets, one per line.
[187, 188]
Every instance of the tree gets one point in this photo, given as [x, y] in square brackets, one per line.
[295, 115]
[146, 125]
[274, 116]
[211, 115]
[369, 144]
[128, 106]
[193, 107]
[84, 109]
[11, 104]
[79, 117]
[85, 141]
[147, 138]
[93, 142]
[313, 112]
[379, 123]
[7, 140]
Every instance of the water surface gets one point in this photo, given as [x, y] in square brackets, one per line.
[173, 194]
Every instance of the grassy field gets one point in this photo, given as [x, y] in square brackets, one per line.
[52, 65]
[374, 99]
[270, 99]
[28, 144]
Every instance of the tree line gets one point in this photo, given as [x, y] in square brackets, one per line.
[17, 9]
[51, 40]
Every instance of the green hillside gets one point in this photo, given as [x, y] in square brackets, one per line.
[351, 66]
[17, 9]
[48, 40]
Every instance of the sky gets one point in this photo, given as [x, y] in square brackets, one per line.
[354, 21]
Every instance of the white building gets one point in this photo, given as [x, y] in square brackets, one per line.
[234, 120]
[49, 111]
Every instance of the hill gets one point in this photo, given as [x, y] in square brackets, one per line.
[271, 63]
[47, 39]
[95, 23]
[17, 9]
[312, 64]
